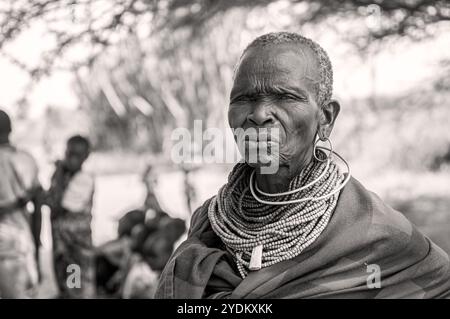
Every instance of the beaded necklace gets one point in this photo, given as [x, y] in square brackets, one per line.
[259, 234]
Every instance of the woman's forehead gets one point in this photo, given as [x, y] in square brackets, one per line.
[281, 65]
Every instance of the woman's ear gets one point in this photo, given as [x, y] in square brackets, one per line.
[330, 112]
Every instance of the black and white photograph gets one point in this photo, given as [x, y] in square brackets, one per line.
[224, 149]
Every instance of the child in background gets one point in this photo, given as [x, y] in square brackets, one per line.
[70, 198]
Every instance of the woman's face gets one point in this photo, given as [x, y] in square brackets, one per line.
[274, 88]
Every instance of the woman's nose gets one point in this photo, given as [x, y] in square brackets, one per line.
[261, 115]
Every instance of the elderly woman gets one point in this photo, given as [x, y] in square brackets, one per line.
[308, 230]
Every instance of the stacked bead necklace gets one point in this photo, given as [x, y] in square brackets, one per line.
[260, 232]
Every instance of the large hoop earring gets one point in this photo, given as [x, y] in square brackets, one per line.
[319, 147]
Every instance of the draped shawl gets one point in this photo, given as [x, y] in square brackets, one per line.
[368, 250]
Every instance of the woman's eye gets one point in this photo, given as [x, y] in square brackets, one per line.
[243, 98]
[293, 98]
[286, 97]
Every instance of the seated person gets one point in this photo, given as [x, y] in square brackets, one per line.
[150, 236]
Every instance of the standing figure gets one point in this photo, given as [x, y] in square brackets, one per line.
[70, 198]
[19, 230]
[150, 180]
[189, 189]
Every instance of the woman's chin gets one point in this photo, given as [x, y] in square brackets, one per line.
[266, 164]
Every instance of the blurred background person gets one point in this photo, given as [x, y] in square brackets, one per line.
[150, 180]
[130, 266]
[189, 189]
[70, 198]
[19, 230]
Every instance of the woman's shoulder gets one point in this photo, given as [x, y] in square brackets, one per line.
[386, 228]
[381, 211]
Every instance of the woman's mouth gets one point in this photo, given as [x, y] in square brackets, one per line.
[259, 135]
[259, 146]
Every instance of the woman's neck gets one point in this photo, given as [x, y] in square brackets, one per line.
[279, 181]
[274, 183]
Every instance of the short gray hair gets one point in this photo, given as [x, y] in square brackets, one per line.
[324, 88]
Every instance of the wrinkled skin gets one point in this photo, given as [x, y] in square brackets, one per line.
[274, 88]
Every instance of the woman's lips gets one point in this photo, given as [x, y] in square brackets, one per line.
[256, 152]
[260, 148]
[262, 135]
[259, 145]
